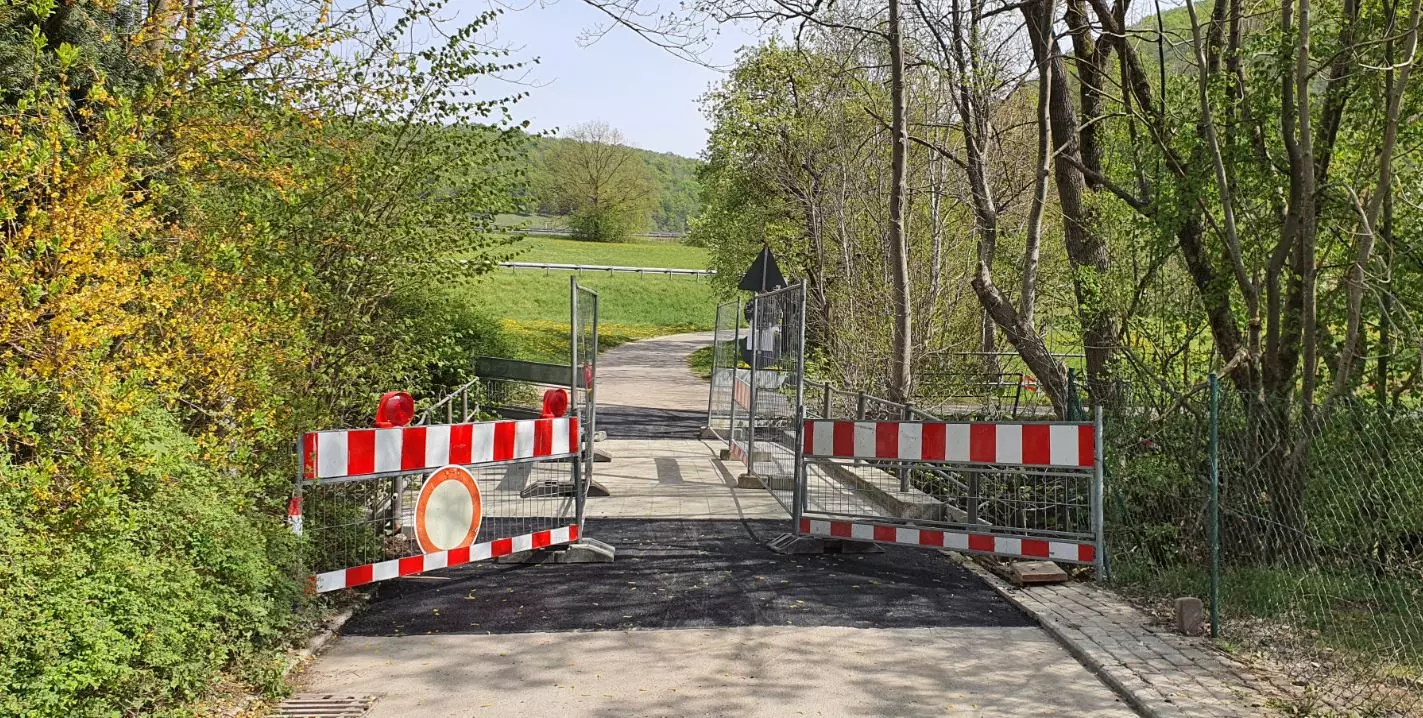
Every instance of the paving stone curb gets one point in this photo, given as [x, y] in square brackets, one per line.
[295, 659]
[1162, 676]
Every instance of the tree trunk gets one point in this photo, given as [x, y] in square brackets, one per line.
[1086, 249]
[901, 352]
[1050, 372]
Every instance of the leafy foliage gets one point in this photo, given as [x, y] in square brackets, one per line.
[223, 224]
[673, 200]
[600, 183]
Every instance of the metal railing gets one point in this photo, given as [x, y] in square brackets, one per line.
[459, 396]
[563, 231]
[611, 269]
[864, 404]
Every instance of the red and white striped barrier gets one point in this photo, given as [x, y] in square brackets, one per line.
[741, 392]
[1011, 546]
[366, 452]
[736, 452]
[1050, 445]
[397, 567]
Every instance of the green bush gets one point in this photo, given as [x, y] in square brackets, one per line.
[135, 595]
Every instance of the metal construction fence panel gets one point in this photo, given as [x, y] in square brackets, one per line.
[774, 390]
[725, 361]
[379, 503]
[1021, 489]
[376, 504]
[583, 334]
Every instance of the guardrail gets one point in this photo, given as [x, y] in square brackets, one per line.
[562, 231]
[669, 271]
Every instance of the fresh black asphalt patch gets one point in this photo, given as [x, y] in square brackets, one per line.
[688, 574]
[626, 422]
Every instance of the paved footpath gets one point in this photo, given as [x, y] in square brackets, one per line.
[1162, 674]
[697, 617]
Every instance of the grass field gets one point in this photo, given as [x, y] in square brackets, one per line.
[533, 304]
[630, 254]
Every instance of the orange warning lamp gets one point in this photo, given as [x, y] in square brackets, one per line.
[555, 404]
[396, 408]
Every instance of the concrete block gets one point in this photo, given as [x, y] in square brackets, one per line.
[587, 550]
[1190, 616]
[749, 480]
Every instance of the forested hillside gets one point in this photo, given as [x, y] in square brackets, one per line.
[672, 178]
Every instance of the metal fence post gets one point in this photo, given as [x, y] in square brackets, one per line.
[859, 406]
[1215, 505]
[904, 471]
[798, 463]
[1099, 560]
[755, 343]
[825, 399]
[716, 345]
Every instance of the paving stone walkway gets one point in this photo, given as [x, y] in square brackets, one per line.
[1159, 673]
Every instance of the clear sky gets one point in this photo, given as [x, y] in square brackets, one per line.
[622, 79]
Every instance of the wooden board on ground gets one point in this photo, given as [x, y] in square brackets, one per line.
[1025, 573]
[1029, 573]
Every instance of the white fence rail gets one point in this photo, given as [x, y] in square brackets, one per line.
[669, 271]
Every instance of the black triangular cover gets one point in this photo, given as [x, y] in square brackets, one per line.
[764, 275]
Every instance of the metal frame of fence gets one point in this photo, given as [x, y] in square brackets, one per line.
[1020, 489]
[360, 494]
[850, 465]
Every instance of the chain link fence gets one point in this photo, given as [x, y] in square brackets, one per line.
[1310, 556]
[1303, 532]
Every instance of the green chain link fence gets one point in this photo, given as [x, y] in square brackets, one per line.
[1311, 558]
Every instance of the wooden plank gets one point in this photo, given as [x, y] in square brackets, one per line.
[1023, 573]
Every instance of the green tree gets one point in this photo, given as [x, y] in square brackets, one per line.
[602, 182]
[219, 226]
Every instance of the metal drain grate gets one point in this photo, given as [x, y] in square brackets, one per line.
[324, 705]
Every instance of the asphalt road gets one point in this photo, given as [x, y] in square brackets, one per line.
[689, 574]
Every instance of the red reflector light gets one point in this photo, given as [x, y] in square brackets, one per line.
[396, 408]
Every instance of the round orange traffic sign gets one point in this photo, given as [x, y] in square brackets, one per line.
[449, 510]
